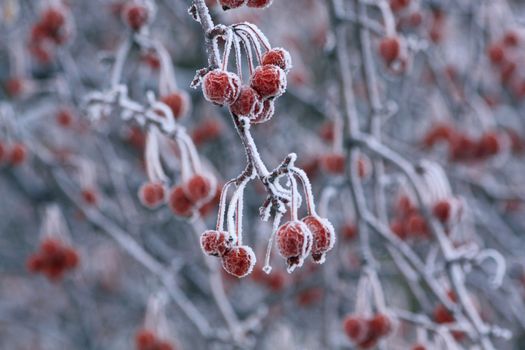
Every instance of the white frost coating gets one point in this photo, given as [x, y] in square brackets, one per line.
[377, 291]
[155, 318]
[307, 187]
[222, 205]
[227, 49]
[258, 34]
[234, 86]
[306, 248]
[238, 55]
[287, 58]
[267, 268]
[388, 18]
[167, 81]
[252, 258]
[232, 208]
[239, 215]
[256, 158]
[194, 156]
[54, 224]
[362, 300]
[154, 168]
[247, 48]
[184, 159]
[331, 232]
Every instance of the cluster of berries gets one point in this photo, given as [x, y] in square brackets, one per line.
[237, 260]
[255, 101]
[503, 55]
[463, 147]
[53, 259]
[51, 30]
[15, 154]
[146, 339]
[232, 4]
[366, 332]
[296, 239]
[178, 102]
[183, 199]
[408, 221]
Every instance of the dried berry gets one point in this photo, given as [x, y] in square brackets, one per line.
[278, 57]
[239, 261]
[294, 241]
[269, 81]
[221, 87]
[323, 236]
[215, 243]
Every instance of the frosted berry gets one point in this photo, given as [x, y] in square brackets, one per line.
[294, 241]
[247, 104]
[198, 188]
[356, 328]
[269, 81]
[17, 154]
[231, 4]
[152, 194]
[389, 49]
[215, 243]
[221, 87]
[265, 113]
[278, 57]
[135, 16]
[239, 261]
[178, 102]
[259, 3]
[179, 202]
[323, 236]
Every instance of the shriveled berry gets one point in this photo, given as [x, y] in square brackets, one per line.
[179, 202]
[259, 3]
[215, 243]
[231, 4]
[247, 104]
[294, 241]
[265, 113]
[278, 57]
[152, 194]
[198, 187]
[135, 16]
[269, 81]
[221, 87]
[239, 261]
[323, 236]
[178, 102]
[389, 49]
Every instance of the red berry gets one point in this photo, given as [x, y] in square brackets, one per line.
[442, 315]
[417, 225]
[269, 81]
[442, 210]
[419, 347]
[198, 188]
[64, 118]
[221, 87]
[349, 231]
[178, 102]
[247, 104]
[215, 243]
[35, 263]
[52, 23]
[265, 113]
[323, 236]
[389, 49]
[496, 54]
[294, 241]
[239, 261]
[145, 339]
[511, 38]
[136, 16]
[380, 325]
[151, 194]
[90, 196]
[488, 145]
[397, 5]
[356, 328]
[179, 202]
[333, 163]
[259, 3]
[207, 130]
[17, 154]
[278, 57]
[231, 4]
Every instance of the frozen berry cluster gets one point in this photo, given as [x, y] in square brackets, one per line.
[53, 259]
[366, 332]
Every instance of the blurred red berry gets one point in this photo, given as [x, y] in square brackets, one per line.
[178, 102]
[259, 3]
[179, 202]
[389, 49]
[152, 194]
[323, 236]
[135, 16]
[17, 154]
